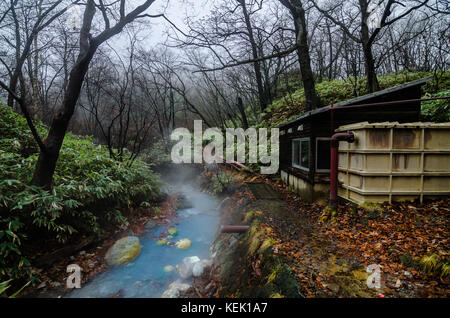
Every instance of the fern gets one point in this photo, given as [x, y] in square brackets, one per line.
[431, 263]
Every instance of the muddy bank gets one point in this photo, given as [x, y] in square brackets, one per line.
[247, 265]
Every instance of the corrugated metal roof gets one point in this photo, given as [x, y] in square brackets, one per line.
[358, 100]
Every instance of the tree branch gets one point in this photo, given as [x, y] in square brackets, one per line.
[263, 58]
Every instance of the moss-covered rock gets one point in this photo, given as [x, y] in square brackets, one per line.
[123, 251]
[248, 267]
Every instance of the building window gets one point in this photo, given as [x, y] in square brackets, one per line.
[300, 153]
[323, 154]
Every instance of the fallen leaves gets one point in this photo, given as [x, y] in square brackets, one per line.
[400, 228]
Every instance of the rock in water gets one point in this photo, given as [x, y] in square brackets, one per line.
[186, 266]
[161, 242]
[171, 293]
[180, 286]
[197, 269]
[123, 251]
[183, 243]
[168, 268]
[174, 289]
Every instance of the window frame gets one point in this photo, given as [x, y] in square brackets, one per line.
[300, 152]
[317, 153]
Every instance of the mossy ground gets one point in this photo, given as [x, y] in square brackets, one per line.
[254, 264]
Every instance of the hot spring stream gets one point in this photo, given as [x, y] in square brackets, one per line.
[145, 275]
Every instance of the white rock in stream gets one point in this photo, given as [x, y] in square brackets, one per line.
[186, 266]
[199, 267]
[179, 285]
[171, 293]
[193, 266]
[174, 289]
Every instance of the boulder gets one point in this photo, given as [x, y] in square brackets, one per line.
[168, 268]
[185, 268]
[161, 242]
[170, 293]
[179, 285]
[199, 267]
[183, 243]
[123, 251]
[174, 289]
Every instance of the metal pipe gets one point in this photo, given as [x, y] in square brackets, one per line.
[234, 228]
[348, 137]
[394, 102]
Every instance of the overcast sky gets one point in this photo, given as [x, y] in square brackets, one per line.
[176, 11]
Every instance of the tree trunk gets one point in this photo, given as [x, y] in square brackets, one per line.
[35, 79]
[298, 13]
[240, 105]
[46, 164]
[256, 65]
[372, 81]
[13, 86]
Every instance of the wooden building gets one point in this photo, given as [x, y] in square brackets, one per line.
[305, 141]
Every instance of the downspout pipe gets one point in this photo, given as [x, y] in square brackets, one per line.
[348, 137]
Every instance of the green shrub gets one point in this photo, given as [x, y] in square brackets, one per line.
[221, 182]
[437, 110]
[89, 192]
[158, 153]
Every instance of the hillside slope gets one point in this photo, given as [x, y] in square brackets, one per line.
[292, 104]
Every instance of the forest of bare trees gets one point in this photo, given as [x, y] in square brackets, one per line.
[91, 92]
[87, 66]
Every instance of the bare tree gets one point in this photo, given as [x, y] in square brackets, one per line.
[297, 11]
[49, 149]
[368, 34]
[25, 31]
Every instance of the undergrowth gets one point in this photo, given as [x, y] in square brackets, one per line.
[90, 191]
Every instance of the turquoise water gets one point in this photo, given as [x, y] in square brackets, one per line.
[145, 275]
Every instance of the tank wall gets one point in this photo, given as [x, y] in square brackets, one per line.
[395, 162]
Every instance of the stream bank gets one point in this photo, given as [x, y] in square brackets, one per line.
[179, 217]
[282, 254]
